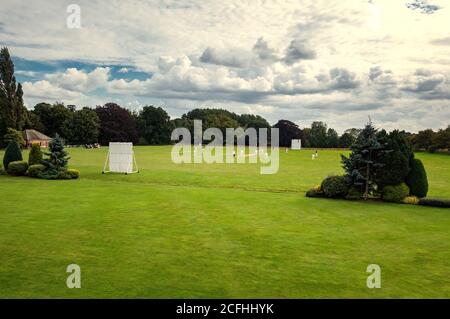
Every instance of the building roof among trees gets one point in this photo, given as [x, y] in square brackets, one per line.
[32, 135]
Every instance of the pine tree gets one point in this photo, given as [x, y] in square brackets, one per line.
[57, 159]
[363, 162]
[13, 113]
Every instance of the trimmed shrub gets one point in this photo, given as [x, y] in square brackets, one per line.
[17, 168]
[354, 194]
[12, 154]
[435, 202]
[35, 156]
[69, 174]
[2, 170]
[417, 179]
[335, 186]
[61, 174]
[395, 193]
[411, 200]
[34, 170]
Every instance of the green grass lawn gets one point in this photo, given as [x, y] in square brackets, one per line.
[217, 231]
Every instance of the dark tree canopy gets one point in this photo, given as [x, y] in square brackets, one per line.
[116, 124]
[288, 131]
[346, 140]
[82, 127]
[53, 117]
[154, 125]
[318, 135]
[332, 138]
[396, 158]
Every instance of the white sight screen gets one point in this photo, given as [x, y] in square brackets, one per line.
[121, 157]
[296, 144]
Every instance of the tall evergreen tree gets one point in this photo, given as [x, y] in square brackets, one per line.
[12, 111]
[363, 162]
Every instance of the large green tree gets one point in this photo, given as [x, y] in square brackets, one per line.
[332, 138]
[82, 127]
[53, 117]
[12, 111]
[318, 134]
[441, 140]
[154, 125]
[346, 140]
[422, 140]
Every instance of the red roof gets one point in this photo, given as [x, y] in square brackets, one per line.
[33, 135]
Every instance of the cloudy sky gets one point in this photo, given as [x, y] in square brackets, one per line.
[302, 60]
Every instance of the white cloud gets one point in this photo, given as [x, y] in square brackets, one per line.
[77, 80]
[123, 70]
[45, 90]
[304, 60]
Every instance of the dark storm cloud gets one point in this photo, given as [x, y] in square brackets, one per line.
[213, 56]
[344, 107]
[343, 79]
[425, 85]
[375, 72]
[263, 51]
[298, 50]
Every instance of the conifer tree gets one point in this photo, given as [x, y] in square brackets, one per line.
[57, 159]
[12, 154]
[363, 162]
[13, 113]
[35, 156]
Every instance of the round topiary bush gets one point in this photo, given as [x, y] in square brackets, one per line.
[35, 156]
[12, 154]
[395, 193]
[417, 179]
[17, 168]
[34, 170]
[335, 186]
[73, 173]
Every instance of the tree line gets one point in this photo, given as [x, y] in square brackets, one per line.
[152, 125]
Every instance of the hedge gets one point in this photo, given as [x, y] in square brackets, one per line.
[435, 202]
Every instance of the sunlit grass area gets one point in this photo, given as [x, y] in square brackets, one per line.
[217, 231]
